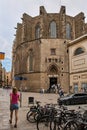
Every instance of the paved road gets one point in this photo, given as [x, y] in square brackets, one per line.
[23, 124]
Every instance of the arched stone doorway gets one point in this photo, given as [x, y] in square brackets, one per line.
[53, 80]
[53, 75]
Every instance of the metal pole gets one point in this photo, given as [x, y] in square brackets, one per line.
[21, 96]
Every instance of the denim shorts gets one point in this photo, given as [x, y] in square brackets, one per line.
[14, 107]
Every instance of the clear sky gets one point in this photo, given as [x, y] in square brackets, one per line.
[11, 12]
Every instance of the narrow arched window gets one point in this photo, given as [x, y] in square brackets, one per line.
[16, 64]
[37, 32]
[78, 51]
[68, 31]
[52, 29]
[30, 60]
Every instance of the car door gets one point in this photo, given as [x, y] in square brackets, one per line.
[83, 99]
[80, 98]
[76, 99]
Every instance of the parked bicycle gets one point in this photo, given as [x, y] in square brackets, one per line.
[44, 121]
[37, 111]
[63, 115]
[77, 123]
[33, 111]
[54, 117]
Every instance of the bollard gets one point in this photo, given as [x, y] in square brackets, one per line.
[30, 100]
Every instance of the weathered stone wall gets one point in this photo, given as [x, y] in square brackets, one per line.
[78, 63]
[25, 41]
[79, 25]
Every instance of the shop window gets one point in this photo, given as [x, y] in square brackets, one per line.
[84, 87]
[75, 87]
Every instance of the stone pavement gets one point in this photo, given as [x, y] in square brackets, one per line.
[23, 124]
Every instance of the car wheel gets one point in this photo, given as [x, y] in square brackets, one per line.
[86, 101]
[67, 102]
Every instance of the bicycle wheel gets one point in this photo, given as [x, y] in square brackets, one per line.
[43, 123]
[71, 125]
[27, 115]
[53, 126]
[31, 116]
[56, 124]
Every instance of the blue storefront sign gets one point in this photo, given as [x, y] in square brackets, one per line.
[20, 78]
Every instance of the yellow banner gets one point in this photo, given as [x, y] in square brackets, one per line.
[2, 55]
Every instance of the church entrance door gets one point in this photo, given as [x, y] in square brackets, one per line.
[53, 80]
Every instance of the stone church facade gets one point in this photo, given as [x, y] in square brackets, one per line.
[40, 52]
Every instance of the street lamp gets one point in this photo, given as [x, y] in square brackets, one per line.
[7, 81]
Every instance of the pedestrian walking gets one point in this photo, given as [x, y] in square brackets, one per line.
[14, 98]
[61, 93]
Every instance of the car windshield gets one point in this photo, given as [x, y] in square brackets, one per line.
[79, 94]
[69, 95]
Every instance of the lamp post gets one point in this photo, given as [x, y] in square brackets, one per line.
[60, 61]
[7, 82]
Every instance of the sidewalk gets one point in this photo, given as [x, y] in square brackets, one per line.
[23, 124]
[4, 110]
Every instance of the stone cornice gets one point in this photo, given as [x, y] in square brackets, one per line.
[77, 40]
